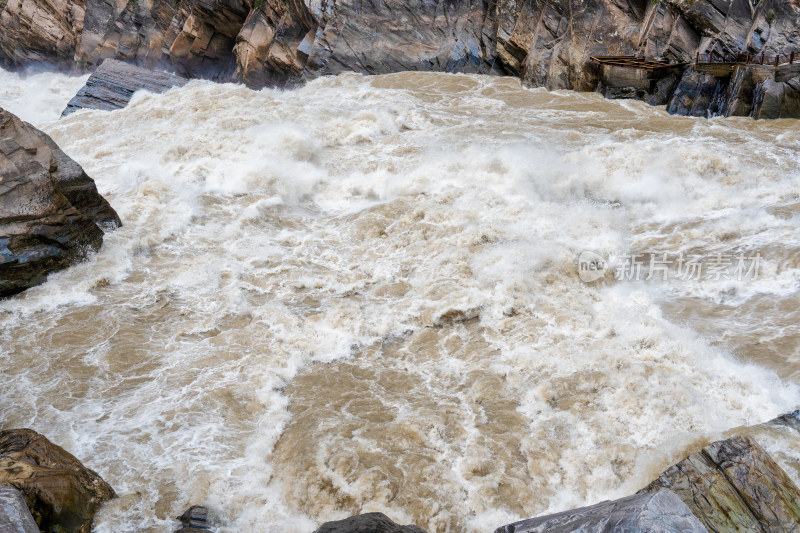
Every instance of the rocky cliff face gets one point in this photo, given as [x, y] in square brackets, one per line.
[50, 211]
[546, 43]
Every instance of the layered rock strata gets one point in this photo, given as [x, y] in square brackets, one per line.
[61, 494]
[113, 84]
[545, 43]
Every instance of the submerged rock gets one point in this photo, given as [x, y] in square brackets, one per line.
[367, 523]
[194, 519]
[734, 485]
[14, 514]
[659, 512]
[112, 85]
[61, 493]
[790, 420]
[51, 214]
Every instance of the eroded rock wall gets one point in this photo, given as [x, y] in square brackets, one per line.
[545, 43]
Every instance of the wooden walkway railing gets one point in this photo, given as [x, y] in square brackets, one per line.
[633, 62]
[747, 59]
[712, 61]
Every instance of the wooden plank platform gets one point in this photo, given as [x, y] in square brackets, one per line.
[634, 62]
[719, 70]
[720, 65]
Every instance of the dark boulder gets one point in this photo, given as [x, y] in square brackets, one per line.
[112, 85]
[61, 493]
[659, 512]
[734, 485]
[367, 523]
[51, 214]
[195, 520]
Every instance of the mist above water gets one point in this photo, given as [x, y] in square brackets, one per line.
[363, 295]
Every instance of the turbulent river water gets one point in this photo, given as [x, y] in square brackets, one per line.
[364, 295]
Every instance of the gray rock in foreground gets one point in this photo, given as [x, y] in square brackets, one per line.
[112, 85]
[366, 523]
[734, 485]
[14, 514]
[658, 512]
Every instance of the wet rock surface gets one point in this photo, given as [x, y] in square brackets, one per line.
[195, 519]
[14, 514]
[790, 420]
[61, 493]
[778, 99]
[51, 214]
[367, 523]
[113, 84]
[659, 512]
[731, 485]
[734, 485]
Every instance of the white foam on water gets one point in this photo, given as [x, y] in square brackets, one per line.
[322, 299]
[38, 97]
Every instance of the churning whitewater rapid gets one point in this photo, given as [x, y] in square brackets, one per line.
[363, 295]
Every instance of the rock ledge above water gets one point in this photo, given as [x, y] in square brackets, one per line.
[113, 84]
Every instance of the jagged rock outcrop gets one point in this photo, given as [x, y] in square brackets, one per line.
[38, 32]
[659, 512]
[778, 97]
[366, 523]
[112, 85]
[61, 493]
[696, 95]
[274, 43]
[734, 485]
[749, 91]
[400, 35]
[14, 514]
[51, 214]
